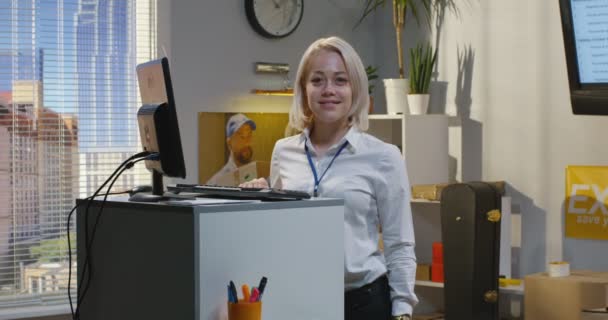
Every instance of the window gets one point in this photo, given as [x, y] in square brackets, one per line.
[68, 103]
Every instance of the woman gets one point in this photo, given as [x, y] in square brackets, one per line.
[334, 158]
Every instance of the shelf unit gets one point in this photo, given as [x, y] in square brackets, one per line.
[519, 290]
[505, 229]
[423, 140]
[425, 201]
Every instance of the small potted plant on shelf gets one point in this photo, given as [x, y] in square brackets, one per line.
[371, 77]
[422, 61]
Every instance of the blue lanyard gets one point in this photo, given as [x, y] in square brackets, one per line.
[314, 171]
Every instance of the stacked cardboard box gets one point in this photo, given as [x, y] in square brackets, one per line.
[423, 272]
[566, 298]
[432, 192]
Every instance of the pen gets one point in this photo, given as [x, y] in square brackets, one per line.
[233, 290]
[229, 294]
[245, 289]
[255, 296]
[262, 286]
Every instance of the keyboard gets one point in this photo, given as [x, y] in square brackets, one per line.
[238, 192]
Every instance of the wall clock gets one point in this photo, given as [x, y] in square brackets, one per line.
[274, 18]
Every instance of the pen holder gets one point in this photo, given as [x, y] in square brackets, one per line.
[245, 310]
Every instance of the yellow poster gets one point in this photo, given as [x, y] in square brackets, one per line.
[586, 204]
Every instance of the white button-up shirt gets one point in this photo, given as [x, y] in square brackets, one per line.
[370, 176]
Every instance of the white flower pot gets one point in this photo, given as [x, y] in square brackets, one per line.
[418, 103]
[396, 95]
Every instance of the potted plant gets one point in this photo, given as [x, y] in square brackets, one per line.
[396, 89]
[371, 77]
[422, 61]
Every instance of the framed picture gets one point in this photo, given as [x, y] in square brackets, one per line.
[237, 147]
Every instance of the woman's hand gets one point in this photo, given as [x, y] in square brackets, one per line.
[255, 183]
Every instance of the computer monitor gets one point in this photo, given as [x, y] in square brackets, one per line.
[158, 126]
[584, 31]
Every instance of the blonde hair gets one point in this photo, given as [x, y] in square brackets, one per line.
[300, 115]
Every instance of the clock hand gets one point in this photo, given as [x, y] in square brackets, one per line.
[287, 12]
[276, 4]
[272, 18]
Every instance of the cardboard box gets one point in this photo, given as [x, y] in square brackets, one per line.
[423, 272]
[250, 171]
[565, 298]
[430, 192]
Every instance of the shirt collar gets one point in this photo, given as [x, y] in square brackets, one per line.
[231, 164]
[352, 136]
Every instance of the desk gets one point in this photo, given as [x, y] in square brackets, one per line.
[156, 261]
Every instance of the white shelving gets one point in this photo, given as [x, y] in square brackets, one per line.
[425, 201]
[507, 290]
[430, 225]
[424, 283]
[385, 116]
[423, 140]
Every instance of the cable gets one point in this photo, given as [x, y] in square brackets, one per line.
[87, 268]
[88, 264]
[88, 199]
[89, 249]
[68, 225]
[70, 247]
[114, 176]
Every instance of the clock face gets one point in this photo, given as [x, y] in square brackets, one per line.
[274, 18]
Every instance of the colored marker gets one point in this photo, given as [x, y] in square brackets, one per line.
[245, 289]
[255, 296]
[233, 290]
[262, 286]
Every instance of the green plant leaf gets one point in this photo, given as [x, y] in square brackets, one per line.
[371, 76]
[422, 61]
[369, 7]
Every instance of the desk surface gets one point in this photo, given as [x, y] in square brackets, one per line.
[123, 203]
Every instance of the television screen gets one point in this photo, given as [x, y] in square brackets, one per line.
[585, 32]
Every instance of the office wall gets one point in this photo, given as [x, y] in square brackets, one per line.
[501, 69]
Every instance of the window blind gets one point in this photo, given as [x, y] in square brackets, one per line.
[68, 103]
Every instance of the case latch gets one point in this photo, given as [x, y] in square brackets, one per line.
[490, 296]
[494, 215]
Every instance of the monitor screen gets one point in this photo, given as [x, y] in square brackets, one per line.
[585, 32]
[157, 119]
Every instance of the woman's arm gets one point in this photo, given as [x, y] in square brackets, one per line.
[393, 201]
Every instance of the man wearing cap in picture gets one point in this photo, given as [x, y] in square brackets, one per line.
[239, 131]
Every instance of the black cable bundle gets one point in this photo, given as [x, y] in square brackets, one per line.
[87, 264]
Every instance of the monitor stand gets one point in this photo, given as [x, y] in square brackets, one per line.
[157, 190]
